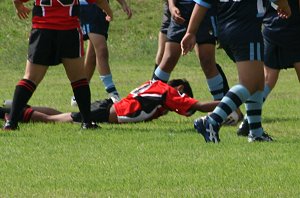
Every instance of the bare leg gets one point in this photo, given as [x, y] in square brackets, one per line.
[162, 38]
[41, 117]
[171, 56]
[271, 76]
[46, 110]
[90, 60]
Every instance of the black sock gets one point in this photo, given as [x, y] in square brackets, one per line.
[82, 93]
[23, 93]
[225, 82]
[155, 66]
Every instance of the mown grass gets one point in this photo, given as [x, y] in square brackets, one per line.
[163, 158]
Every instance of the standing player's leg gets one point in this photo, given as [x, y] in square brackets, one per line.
[170, 58]
[162, 35]
[34, 74]
[102, 60]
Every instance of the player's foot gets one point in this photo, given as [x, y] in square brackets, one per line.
[243, 129]
[10, 126]
[114, 97]
[208, 131]
[89, 125]
[73, 102]
[263, 138]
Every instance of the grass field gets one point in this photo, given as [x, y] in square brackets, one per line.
[163, 158]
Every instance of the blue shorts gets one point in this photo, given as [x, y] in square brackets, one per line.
[245, 52]
[277, 57]
[92, 20]
[207, 32]
[165, 19]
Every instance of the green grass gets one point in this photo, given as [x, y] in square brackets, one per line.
[163, 158]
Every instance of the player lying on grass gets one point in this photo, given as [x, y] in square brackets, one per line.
[149, 101]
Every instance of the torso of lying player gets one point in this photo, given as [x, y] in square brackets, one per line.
[150, 101]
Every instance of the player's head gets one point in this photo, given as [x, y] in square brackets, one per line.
[186, 87]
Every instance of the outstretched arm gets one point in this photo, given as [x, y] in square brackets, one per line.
[125, 8]
[204, 106]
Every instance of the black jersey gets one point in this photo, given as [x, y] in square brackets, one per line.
[283, 32]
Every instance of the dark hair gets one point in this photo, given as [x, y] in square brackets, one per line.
[187, 89]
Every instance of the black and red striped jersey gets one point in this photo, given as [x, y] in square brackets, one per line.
[151, 100]
[56, 14]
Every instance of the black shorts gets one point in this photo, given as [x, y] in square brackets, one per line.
[49, 47]
[206, 34]
[92, 20]
[99, 111]
[165, 19]
[244, 52]
[277, 57]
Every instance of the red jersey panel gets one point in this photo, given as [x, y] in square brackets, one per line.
[55, 14]
[151, 100]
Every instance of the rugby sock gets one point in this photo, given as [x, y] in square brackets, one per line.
[215, 85]
[225, 81]
[109, 84]
[82, 93]
[23, 93]
[267, 91]
[159, 74]
[253, 109]
[236, 96]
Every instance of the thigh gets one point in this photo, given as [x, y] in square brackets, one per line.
[206, 55]
[35, 72]
[74, 68]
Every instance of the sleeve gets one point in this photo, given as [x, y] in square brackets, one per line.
[204, 3]
[179, 103]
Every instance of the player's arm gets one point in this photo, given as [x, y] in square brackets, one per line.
[175, 12]
[189, 40]
[125, 8]
[103, 4]
[204, 106]
[21, 10]
[283, 8]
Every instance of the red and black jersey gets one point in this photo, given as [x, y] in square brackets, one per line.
[56, 14]
[151, 100]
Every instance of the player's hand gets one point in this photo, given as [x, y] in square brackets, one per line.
[283, 10]
[21, 10]
[187, 43]
[175, 12]
[127, 10]
[108, 18]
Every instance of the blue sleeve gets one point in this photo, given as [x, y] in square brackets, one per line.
[203, 3]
